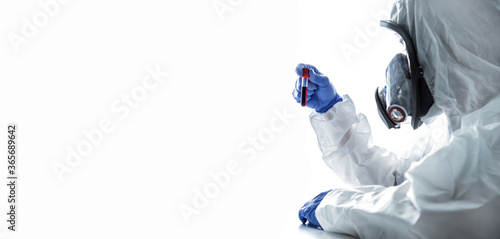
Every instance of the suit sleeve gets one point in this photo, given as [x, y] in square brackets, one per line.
[344, 138]
[451, 193]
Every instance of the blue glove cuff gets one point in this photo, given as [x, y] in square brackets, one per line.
[334, 101]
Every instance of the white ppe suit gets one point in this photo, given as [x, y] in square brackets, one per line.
[443, 190]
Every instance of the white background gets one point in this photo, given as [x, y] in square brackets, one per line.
[230, 72]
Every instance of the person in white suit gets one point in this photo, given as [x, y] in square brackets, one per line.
[450, 188]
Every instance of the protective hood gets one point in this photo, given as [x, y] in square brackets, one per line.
[458, 48]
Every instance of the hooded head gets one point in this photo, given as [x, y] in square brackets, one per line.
[458, 48]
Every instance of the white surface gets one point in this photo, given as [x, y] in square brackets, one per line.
[228, 77]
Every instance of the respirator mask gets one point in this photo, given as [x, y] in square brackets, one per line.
[405, 97]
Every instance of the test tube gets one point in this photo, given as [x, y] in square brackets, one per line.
[305, 81]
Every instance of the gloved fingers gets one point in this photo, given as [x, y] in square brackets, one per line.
[308, 211]
[315, 75]
[302, 215]
[303, 219]
[298, 69]
[297, 90]
[306, 214]
[296, 95]
[311, 86]
[309, 97]
[298, 85]
[310, 93]
[319, 79]
[300, 66]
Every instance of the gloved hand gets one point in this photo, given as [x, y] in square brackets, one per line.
[321, 95]
[308, 211]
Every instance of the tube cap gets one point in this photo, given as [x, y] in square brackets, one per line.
[305, 72]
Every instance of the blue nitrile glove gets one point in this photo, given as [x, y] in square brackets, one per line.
[308, 211]
[321, 95]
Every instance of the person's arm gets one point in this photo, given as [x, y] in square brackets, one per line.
[452, 193]
[344, 138]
